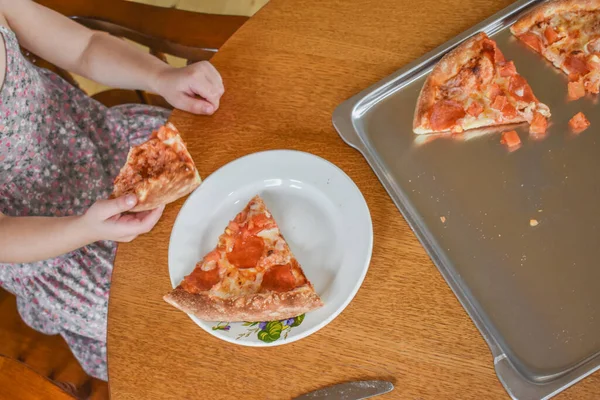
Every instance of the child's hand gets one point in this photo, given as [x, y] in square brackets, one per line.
[181, 86]
[104, 220]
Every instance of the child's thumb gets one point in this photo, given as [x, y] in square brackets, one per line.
[109, 208]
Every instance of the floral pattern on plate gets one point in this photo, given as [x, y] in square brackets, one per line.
[267, 331]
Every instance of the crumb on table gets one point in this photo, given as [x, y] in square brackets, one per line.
[533, 222]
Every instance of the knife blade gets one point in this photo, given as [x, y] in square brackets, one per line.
[357, 390]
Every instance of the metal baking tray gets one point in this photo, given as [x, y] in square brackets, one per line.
[532, 291]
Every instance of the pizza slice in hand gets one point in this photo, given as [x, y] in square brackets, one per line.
[251, 275]
[159, 171]
[473, 86]
[566, 33]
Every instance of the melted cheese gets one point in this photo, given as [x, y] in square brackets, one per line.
[579, 33]
[240, 282]
[209, 265]
[269, 234]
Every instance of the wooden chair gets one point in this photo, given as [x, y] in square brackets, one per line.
[188, 35]
[48, 356]
[19, 382]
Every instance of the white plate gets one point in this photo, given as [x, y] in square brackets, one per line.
[320, 212]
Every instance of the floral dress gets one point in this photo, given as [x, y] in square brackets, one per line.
[59, 152]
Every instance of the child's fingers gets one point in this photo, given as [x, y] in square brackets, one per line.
[106, 209]
[215, 83]
[141, 215]
[206, 82]
[212, 72]
[127, 239]
[152, 217]
[194, 105]
[140, 223]
[205, 90]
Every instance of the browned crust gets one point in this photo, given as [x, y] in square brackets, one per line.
[252, 308]
[550, 8]
[445, 69]
[162, 192]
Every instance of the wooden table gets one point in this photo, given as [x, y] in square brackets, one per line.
[285, 71]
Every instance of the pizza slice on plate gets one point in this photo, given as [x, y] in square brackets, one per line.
[159, 171]
[473, 86]
[251, 275]
[566, 33]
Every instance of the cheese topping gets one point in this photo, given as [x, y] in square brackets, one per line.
[571, 41]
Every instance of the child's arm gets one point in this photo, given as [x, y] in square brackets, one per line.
[29, 239]
[109, 60]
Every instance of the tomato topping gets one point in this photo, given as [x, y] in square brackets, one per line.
[247, 251]
[260, 222]
[573, 77]
[576, 90]
[445, 114]
[507, 69]
[242, 216]
[200, 280]
[499, 102]
[539, 124]
[509, 111]
[511, 139]
[520, 88]
[551, 35]
[576, 64]
[592, 83]
[493, 91]
[475, 109]
[532, 41]
[279, 278]
[233, 226]
[593, 62]
[214, 255]
[579, 123]
[491, 51]
[498, 56]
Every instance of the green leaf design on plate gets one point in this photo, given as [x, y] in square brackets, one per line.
[271, 333]
[298, 320]
[249, 323]
[221, 326]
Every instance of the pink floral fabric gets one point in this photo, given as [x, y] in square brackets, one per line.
[59, 152]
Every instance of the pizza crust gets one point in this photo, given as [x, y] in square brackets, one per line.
[258, 307]
[547, 10]
[156, 192]
[445, 69]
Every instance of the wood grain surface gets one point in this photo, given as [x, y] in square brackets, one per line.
[285, 71]
[19, 382]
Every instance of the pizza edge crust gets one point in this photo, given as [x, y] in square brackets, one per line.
[249, 308]
[150, 201]
[445, 69]
[550, 8]
[144, 191]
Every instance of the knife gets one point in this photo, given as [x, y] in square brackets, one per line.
[357, 390]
